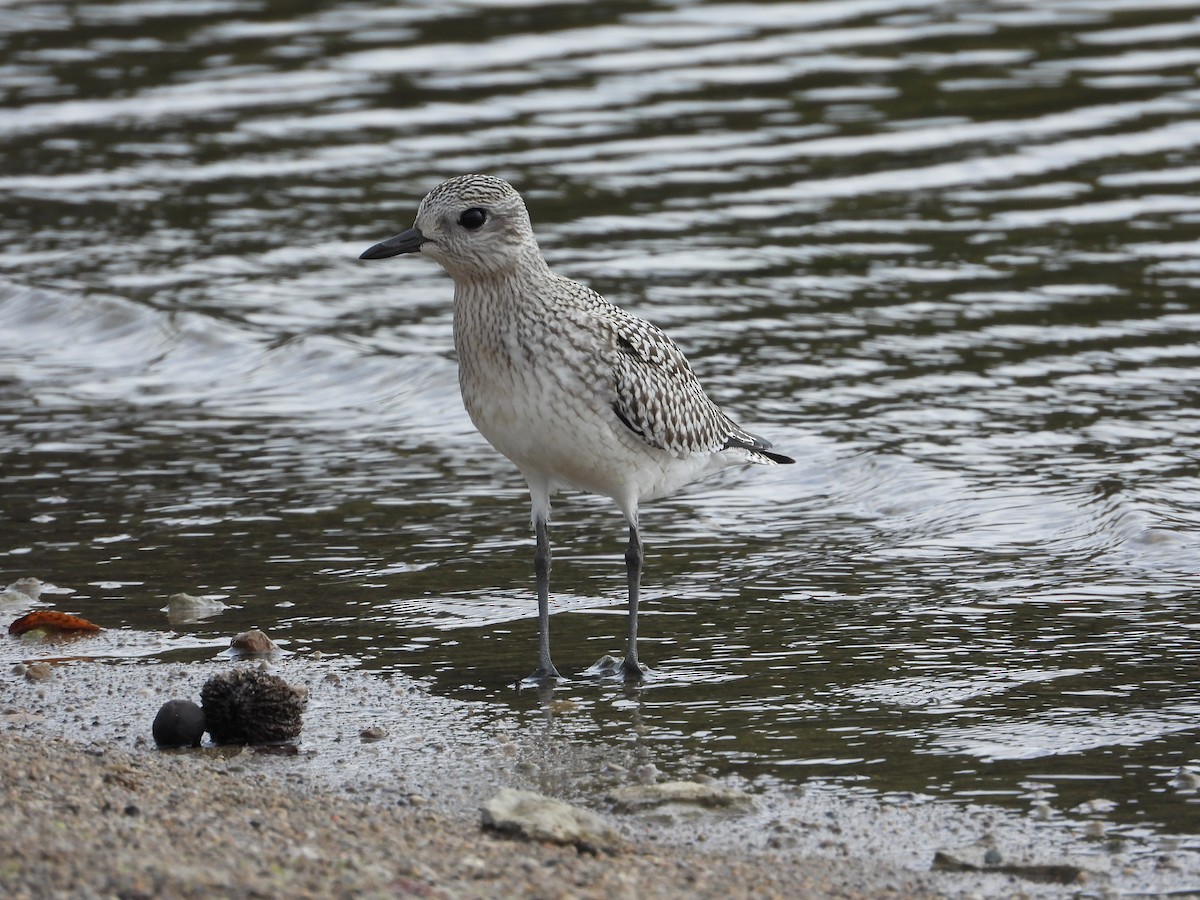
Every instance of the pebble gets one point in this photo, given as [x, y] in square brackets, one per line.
[634, 798]
[252, 643]
[39, 671]
[186, 609]
[539, 818]
[179, 723]
[646, 774]
[28, 588]
[1185, 779]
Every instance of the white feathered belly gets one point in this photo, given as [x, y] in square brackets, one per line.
[558, 430]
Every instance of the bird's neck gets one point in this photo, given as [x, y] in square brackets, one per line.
[519, 285]
[495, 315]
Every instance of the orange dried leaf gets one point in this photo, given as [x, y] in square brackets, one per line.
[54, 621]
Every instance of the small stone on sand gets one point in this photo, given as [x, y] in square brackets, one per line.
[252, 643]
[179, 723]
[538, 818]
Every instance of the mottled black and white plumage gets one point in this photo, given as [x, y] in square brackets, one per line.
[574, 390]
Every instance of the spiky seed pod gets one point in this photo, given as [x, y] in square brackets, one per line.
[249, 706]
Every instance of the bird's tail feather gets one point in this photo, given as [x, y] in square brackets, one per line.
[759, 449]
[770, 458]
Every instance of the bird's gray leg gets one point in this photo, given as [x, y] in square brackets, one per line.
[631, 668]
[541, 570]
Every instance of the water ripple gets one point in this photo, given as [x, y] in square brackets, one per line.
[944, 254]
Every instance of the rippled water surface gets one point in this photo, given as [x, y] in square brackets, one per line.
[945, 254]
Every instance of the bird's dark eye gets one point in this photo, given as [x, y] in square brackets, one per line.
[473, 218]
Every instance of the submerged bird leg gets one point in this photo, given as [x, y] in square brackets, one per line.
[631, 668]
[541, 569]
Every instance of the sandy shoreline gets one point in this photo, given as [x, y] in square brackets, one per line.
[83, 821]
[111, 815]
[92, 808]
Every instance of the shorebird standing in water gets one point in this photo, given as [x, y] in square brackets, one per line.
[574, 390]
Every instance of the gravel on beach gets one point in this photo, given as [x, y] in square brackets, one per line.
[381, 795]
[100, 821]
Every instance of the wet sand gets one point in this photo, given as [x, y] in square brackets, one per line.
[103, 821]
[93, 808]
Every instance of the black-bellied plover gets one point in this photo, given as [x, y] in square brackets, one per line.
[574, 390]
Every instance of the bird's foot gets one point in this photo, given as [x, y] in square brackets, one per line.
[633, 671]
[543, 675]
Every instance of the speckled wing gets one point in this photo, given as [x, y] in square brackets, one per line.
[658, 397]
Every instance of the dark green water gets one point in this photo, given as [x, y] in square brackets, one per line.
[945, 254]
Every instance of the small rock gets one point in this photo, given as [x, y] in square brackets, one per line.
[647, 773]
[39, 671]
[473, 867]
[185, 609]
[1185, 780]
[372, 734]
[252, 643]
[634, 798]
[974, 859]
[539, 818]
[179, 723]
[30, 587]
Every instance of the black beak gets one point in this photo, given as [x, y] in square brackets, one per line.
[405, 242]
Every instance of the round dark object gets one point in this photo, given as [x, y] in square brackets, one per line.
[249, 706]
[179, 723]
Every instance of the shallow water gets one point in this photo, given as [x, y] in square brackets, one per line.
[946, 255]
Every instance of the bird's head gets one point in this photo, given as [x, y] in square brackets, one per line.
[474, 226]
